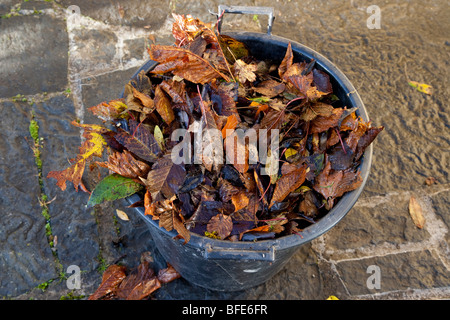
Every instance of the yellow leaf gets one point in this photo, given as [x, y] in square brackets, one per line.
[92, 146]
[290, 152]
[159, 137]
[415, 210]
[421, 87]
[122, 215]
[332, 298]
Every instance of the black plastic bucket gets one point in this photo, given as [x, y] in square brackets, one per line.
[231, 266]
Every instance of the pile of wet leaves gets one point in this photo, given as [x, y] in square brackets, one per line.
[222, 144]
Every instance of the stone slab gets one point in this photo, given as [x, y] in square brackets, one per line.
[94, 52]
[34, 55]
[127, 13]
[374, 222]
[72, 223]
[105, 87]
[25, 256]
[398, 272]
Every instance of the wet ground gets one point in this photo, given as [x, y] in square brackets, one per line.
[55, 64]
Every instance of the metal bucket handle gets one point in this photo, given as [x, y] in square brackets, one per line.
[246, 10]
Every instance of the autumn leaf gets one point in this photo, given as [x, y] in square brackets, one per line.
[323, 123]
[244, 72]
[113, 187]
[222, 224]
[168, 274]
[183, 63]
[92, 146]
[212, 145]
[228, 92]
[186, 28]
[114, 109]
[165, 178]
[239, 200]
[288, 183]
[270, 88]
[317, 109]
[124, 164]
[415, 210]
[287, 61]
[333, 184]
[139, 142]
[232, 48]
[322, 81]
[139, 284]
[145, 99]
[122, 215]
[229, 126]
[421, 87]
[111, 279]
[163, 105]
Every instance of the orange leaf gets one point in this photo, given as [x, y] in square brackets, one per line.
[232, 122]
[240, 201]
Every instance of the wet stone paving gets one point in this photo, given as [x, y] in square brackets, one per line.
[58, 58]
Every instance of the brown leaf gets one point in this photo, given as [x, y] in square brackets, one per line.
[183, 63]
[287, 61]
[415, 210]
[163, 105]
[178, 225]
[270, 88]
[228, 93]
[222, 224]
[265, 228]
[212, 145]
[168, 274]
[334, 184]
[165, 178]
[321, 123]
[244, 72]
[139, 284]
[322, 81]
[174, 91]
[237, 151]
[185, 29]
[126, 165]
[288, 183]
[111, 279]
[316, 109]
[145, 99]
[139, 141]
